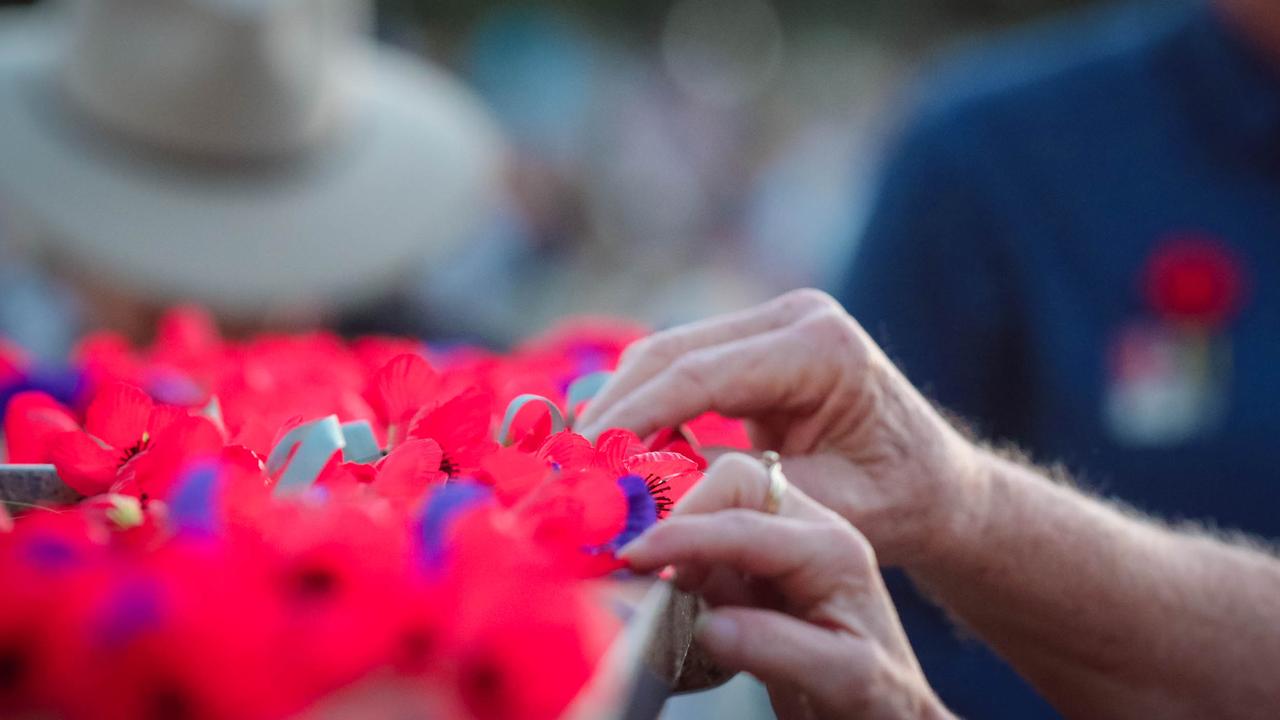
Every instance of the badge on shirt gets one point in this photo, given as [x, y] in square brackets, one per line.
[1169, 370]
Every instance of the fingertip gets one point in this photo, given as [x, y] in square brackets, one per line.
[627, 552]
[716, 632]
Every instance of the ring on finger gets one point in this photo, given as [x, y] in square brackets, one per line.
[778, 483]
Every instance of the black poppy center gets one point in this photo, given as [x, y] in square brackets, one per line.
[314, 583]
[658, 487]
[13, 667]
[448, 466]
[170, 702]
[133, 451]
[484, 680]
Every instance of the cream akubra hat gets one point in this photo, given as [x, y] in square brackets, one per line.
[246, 154]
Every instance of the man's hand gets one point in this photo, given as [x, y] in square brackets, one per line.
[1108, 616]
[797, 599]
[813, 386]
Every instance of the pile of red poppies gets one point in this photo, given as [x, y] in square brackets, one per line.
[293, 522]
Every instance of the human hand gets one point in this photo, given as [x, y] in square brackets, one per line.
[797, 598]
[813, 386]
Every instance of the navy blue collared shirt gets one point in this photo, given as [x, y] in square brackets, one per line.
[1008, 263]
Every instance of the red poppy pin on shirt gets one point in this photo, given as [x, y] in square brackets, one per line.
[1195, 279]
[1168, 370]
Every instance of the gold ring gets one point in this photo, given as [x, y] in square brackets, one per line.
[777, 482]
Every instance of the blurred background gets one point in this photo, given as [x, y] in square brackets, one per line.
[668, 159]
[675, 159]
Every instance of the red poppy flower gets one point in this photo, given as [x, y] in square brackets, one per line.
[463, 426]
[400, 389]
[408, 472]
[524, 639]
[668, 475]
[154, 640]
[334, 566]
[31, 422]
[512, 473]
[47, 561]
[1195, 279]
[403, 477]
[128, 438]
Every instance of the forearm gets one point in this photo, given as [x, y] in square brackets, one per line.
[1108, 615]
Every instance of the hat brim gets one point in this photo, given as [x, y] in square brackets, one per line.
[407, 182]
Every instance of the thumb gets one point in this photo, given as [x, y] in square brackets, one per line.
[778, 649]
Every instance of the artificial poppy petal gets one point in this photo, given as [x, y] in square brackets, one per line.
[119, 414]
[714, 430]
[406, 474]
[82, 463]
[176, 447]
[404, 386]
[668, 475]
[512, 473]
[568, 450]
[31, 421]
[614, 446]
[463, 428]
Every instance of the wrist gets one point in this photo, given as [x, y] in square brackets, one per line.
[963, 505]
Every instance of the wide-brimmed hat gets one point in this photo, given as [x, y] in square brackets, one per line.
[247, 154]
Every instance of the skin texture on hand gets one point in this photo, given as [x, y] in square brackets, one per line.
[1110, 616]
[797, 599]
[812, 385]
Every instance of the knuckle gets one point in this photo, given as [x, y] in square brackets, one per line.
[806, 299]
[741, 476]
[734, 463]
[641, 348]
[854, 546]
[837, 332]
[691, 368]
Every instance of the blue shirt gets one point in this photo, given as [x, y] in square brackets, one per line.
[1004, 268]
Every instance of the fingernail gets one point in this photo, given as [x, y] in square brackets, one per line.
[715, 629]
[668, 573]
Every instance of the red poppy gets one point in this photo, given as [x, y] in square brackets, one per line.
[128, 438]
[668, 475]
[401, 388]
[334, 566]
[31, 422]
[47, 561]
[403, 477]
[408, 472]
[512, 473]
[154, 640]
[524, 639]
[463, 426]
[1195, 279]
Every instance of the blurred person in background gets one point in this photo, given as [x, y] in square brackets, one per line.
[1074, 247]
[265, 159]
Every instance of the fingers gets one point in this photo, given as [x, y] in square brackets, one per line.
[648, 357]
[735, 480]
[763, 372]
[807, 562]
[781, 650]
